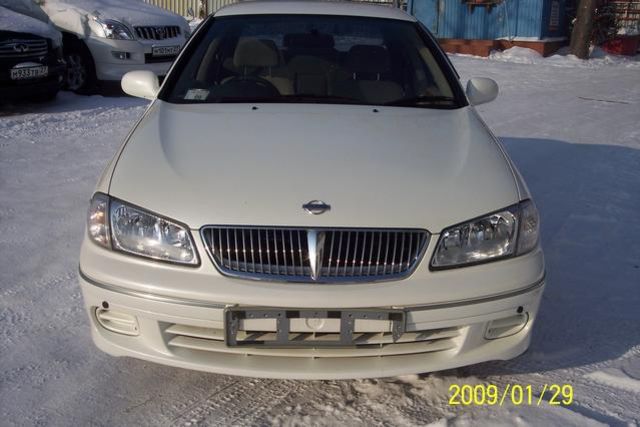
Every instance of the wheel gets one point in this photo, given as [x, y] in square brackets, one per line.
[81, 71]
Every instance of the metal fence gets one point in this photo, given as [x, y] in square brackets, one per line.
[183, 7]
[206, 7]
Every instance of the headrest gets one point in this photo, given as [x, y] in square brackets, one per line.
[308, 41]
[363, 58]
[252, 52]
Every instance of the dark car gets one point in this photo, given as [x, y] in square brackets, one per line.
[31, 62]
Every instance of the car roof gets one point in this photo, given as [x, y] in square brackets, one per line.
[303, 7]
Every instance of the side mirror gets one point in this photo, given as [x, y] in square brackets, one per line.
[481, 90]
[141, 84]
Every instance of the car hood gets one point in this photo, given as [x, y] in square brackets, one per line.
[131, 12]
[11, 19]
[257, 165]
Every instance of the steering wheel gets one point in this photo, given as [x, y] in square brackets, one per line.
[250, 83]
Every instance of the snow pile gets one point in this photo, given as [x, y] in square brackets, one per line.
[632, 29]
[25, 7]
[599, 58]
[518, 55]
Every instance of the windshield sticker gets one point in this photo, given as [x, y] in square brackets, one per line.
[197, 94]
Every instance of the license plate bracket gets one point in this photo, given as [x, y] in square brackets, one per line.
[234, 315]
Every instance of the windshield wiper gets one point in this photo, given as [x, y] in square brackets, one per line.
[424, 100]
[302, 97]
[242, 99]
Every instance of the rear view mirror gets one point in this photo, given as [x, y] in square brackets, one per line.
[141, 84]
[481, 90]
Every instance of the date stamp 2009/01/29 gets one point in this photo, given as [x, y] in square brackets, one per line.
[514, 394]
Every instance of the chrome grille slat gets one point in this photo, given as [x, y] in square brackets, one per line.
[393, 257]
[378, 256]
[370, 255]
[268, 263]
[347, 255]
[356, 252]
[242, 250]
[275, 252]
[260, 251]
[291, 249]
[284, 252]
[410, 243]
[300, 252]
[401, 253]
[157, 32]
[338, 255]
[332, 238]
[253, 260]
[229, 250]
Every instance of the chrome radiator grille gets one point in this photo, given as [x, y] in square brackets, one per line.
[315, 255]
[23, 48]
[157, 33]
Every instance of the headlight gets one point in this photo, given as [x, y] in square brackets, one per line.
[118, 225]
[114, 30]
[510, 232]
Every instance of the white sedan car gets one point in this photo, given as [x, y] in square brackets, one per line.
[312, 194]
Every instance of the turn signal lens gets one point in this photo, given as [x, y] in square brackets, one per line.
[98, 221]
[529, 227]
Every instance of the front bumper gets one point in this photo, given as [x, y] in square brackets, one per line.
[182, 333]
[12, 90]
[110, 68]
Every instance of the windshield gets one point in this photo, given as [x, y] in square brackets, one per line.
[309, 58]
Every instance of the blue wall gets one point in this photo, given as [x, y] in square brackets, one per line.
[510, 18]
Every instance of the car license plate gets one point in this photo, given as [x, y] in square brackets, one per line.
[29, 72]
[165, 50]
[234, 316]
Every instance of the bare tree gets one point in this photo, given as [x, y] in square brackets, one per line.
[581, 34]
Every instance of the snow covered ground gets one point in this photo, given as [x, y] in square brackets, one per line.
[571, 127]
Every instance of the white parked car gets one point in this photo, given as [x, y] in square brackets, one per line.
[311, 194]
[105, 39]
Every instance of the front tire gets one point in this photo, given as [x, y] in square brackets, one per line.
[81, 71]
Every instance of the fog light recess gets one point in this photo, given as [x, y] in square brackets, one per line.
[121, 55]
[507, 326]
[117, 321]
